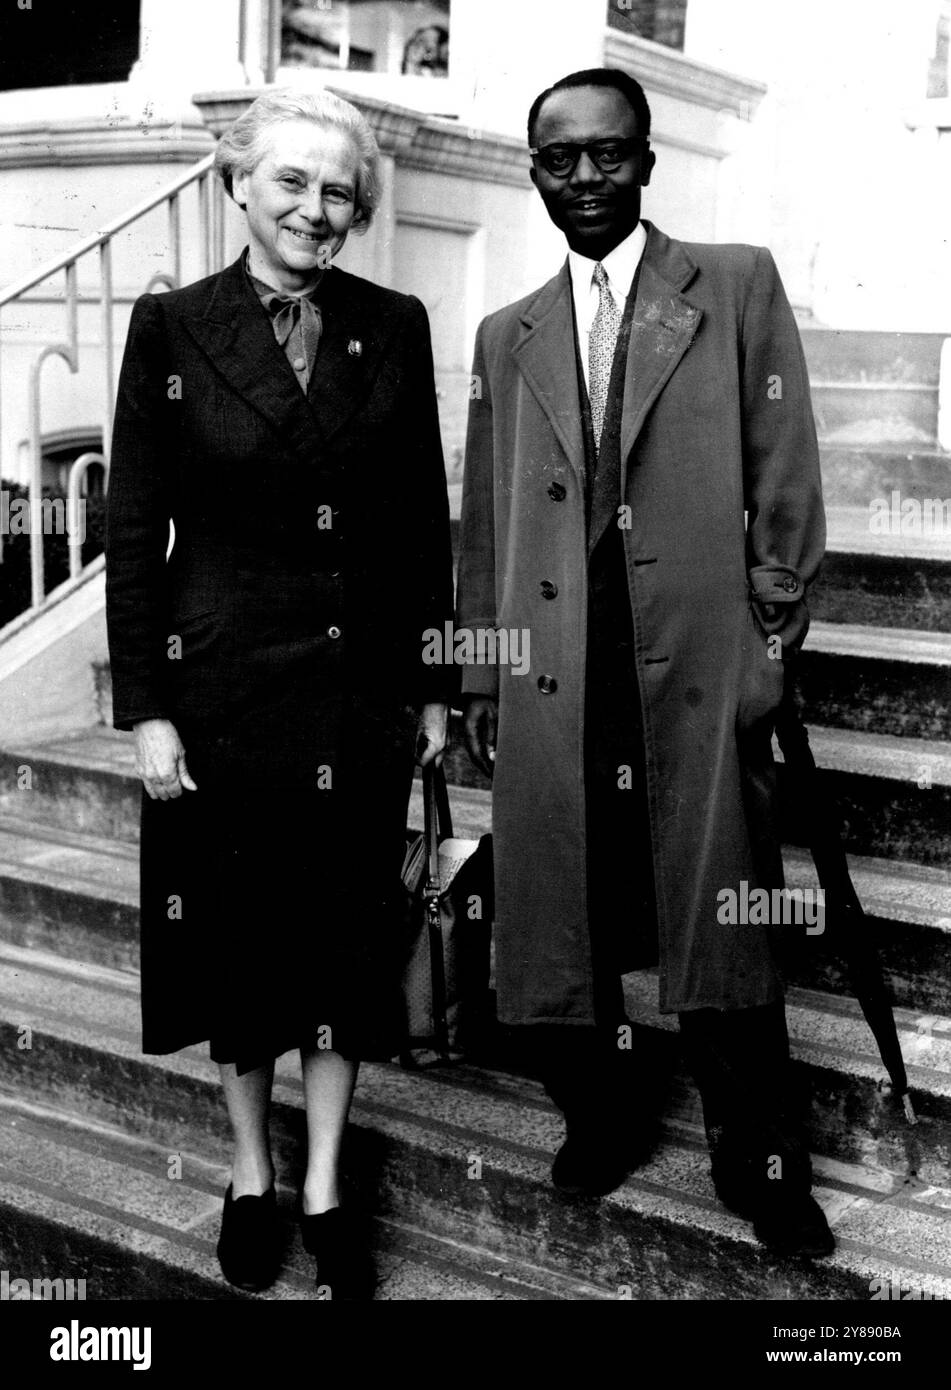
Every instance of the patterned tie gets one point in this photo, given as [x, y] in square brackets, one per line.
[601, 345]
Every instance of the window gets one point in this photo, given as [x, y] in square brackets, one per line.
[72, 43]
[662, 21]
[409, 37]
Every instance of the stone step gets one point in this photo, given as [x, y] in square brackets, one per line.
[84, 1201]
[908, 917]
[864, 475]
[883, 679]
[907, 906]
[888, 533]
[73, 894]
[86, 784]
[77, 896]
[461, 1154]
[877, 680]
[882, 590]
[852, 1114]
[875, 412]
[893, 794]
[70, 1033]
[862, 355]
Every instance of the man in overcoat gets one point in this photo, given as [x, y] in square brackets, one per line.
[642, 507]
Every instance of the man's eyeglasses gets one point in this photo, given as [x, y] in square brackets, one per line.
[562, 159]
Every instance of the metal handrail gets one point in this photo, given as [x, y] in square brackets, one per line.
[211, 241]
[118, 224]
[75, 531]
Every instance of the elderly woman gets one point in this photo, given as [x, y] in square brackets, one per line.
[282, 416]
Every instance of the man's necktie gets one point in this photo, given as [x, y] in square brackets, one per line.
[601, 345]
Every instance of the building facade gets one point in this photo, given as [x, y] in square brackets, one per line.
[823, 132]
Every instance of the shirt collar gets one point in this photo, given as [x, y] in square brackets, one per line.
[619, 264]
[267, 293]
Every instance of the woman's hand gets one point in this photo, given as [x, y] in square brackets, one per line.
[479, 725]
[431, 736]
[160, 760]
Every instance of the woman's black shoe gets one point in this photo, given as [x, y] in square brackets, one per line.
[249, 1247]
[338, 1243]
[794, 1226]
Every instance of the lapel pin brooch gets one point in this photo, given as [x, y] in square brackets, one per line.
[355, 347]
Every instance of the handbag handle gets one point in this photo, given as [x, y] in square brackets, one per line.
[437, 816]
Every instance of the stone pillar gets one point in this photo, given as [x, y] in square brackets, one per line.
[257, 38]
[186, 47]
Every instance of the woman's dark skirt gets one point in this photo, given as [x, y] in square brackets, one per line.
[271, 896]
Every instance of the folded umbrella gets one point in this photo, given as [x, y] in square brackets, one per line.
[845, 922]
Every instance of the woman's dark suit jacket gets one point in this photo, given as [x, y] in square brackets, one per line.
[283, 637]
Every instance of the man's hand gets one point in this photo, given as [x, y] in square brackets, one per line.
[160, 760]
[479, 722]
[431, 736]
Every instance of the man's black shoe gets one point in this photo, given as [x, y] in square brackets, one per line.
[794, 1226]
[593, 1163]
[732, 1172]
[734, 1189]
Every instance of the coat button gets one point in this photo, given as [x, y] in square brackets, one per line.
[790, 584]
[333, 632]
[549, 590]
[557, 492]
[547, 685]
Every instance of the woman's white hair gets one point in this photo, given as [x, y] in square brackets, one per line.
[241, 147]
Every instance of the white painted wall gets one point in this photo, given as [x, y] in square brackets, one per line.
[854, 204]
[47, 681]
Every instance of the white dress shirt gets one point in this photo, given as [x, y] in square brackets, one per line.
[619, 265]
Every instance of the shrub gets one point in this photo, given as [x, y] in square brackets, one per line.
[15, 557]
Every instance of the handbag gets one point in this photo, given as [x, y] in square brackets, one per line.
[448, 894]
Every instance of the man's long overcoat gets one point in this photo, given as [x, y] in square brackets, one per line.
[717, 423]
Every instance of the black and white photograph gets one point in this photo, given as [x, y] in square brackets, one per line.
[475, 637]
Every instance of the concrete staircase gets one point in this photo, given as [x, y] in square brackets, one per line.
[112, 1164]
[874, 388]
